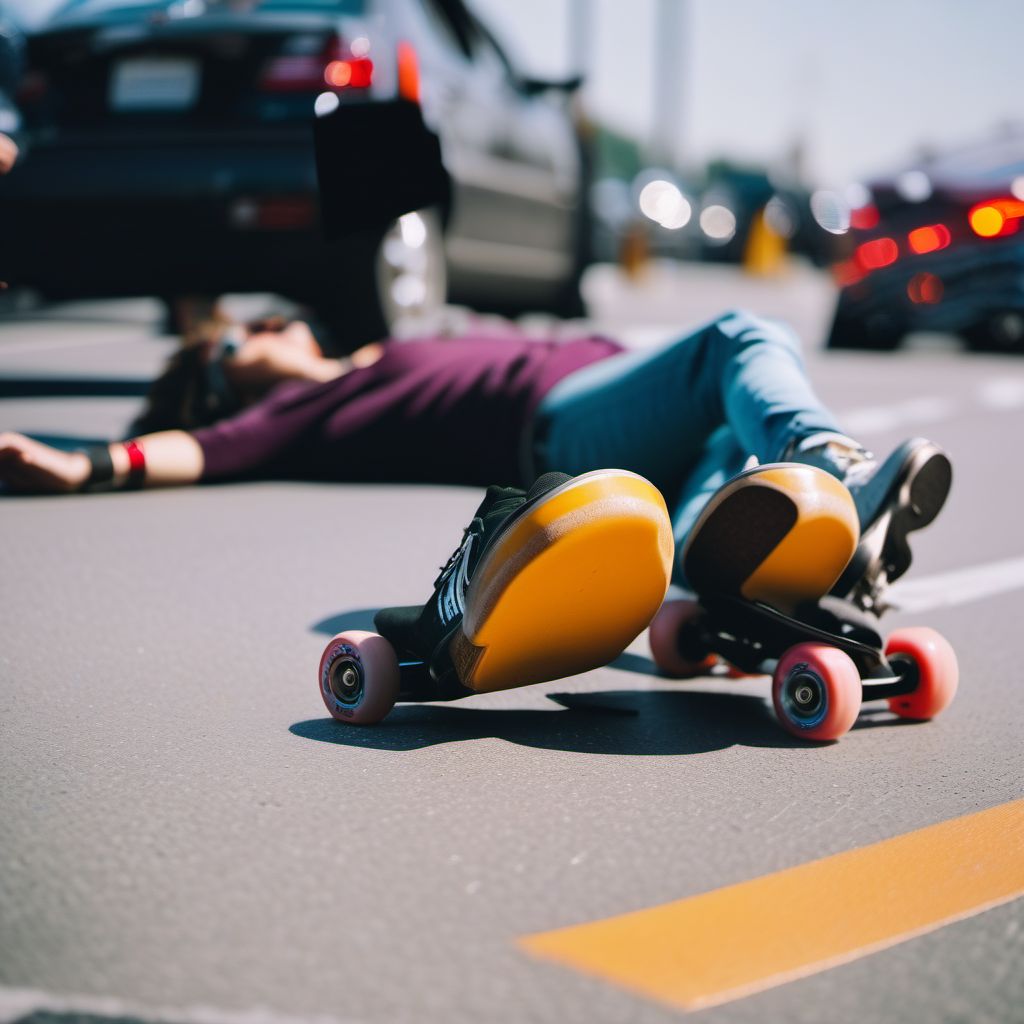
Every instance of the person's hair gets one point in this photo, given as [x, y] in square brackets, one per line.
[180, 398]
[177, 399]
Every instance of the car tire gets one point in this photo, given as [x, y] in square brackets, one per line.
[868, 334]
[363, 300]
[411, 273]
[1002, 332]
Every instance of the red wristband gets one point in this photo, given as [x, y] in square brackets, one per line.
[136, 465]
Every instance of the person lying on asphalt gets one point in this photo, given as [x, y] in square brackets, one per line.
[687, 415]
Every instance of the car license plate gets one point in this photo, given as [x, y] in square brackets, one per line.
[154, 83]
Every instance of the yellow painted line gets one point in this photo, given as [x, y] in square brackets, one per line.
[734, 941]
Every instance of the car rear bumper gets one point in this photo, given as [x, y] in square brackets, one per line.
[972, 283]
[125, 221]
[180, 170]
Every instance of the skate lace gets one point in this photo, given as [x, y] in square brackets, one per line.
[445, 570]
[859, 470]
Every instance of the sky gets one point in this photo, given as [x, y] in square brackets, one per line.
[861, 83]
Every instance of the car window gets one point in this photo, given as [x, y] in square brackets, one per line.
[488, 48]
[451, 20]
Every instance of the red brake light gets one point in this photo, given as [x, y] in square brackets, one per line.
[864, 218]
[847, 273]
[349, 74]
[879, 252]
[929, 239]
[996, 217]
[281, 213]
[335, 66]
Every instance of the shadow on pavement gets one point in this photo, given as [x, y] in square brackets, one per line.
[66, 442]
[357, 618]
[79, 387]
[660, 722]
[362, 618]
[634, 722]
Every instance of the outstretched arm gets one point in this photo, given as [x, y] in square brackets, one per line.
[173, 457]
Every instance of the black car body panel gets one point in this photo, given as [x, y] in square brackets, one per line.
[955, 280]
[118, 195]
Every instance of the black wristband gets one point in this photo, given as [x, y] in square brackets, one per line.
[102, 465]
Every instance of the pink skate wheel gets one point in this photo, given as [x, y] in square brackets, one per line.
[359, 677]
[676, 622]
[816, 691]
[938, 673]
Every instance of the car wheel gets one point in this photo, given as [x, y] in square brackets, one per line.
[1002, 332]
[379, 281]
[869, 334]
[411, 274]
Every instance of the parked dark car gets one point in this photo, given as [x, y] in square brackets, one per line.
[170, 153]
[938, 247]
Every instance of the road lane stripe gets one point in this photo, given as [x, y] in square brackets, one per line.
[910, 413]
[734, 941]
[999, 394]
[960, 586]
[1002, 393]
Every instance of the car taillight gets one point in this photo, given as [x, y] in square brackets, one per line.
[925, 289]
[408, 72]
[349, 74]
[847, 273]
[929, 239]
[282, 213]
[996, 218]
[879, 252]
[335, 67]
[292, 74]
[864, 218]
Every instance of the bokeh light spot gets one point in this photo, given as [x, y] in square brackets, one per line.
[718, 223]
[929, 238]
[925, 289]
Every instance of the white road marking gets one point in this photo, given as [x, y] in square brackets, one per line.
[18, 1002]
[911, 413]
[960, 586]
[6, 347]
[1002, 393]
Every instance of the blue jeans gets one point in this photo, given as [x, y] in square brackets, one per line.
[686, 415]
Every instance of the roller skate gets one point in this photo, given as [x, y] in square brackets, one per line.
[761, 559]
[546, 583]
[894, 497]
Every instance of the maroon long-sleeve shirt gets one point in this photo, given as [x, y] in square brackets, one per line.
[444, 410]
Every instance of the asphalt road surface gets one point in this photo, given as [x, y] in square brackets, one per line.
[186, 837]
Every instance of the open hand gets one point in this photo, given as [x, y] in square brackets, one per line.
[30, 467]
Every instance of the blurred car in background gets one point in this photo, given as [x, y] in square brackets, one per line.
[720, 214]
[169, 152]
[938, 247]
